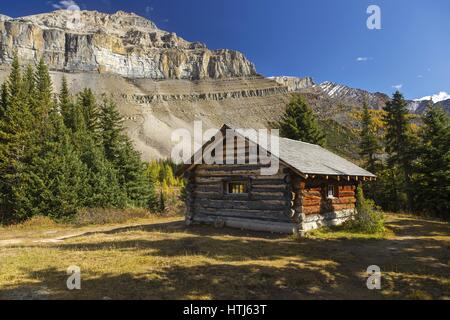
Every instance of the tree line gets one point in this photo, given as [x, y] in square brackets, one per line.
[60, 153]
[413, 167]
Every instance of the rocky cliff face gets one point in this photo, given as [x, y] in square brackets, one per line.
[294, 84]
[122, 43]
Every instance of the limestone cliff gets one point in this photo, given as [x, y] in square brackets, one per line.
[122, 43]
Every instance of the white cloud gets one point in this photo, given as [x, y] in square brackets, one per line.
[397, 86]
[420, 76]
[148, 9]
[441, 96]
[66, 5]
[363, 59]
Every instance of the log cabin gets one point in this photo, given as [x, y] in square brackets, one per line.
[312, 187]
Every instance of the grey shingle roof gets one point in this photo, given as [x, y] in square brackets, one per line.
[307, 158]
[312, 159]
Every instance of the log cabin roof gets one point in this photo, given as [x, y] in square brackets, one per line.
[306, 158]
[312, 159]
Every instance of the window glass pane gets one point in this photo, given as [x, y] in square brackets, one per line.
[237, 188]
[330, 191]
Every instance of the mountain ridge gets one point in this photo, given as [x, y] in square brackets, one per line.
[162, 82]
[344, 94]
[121, 43]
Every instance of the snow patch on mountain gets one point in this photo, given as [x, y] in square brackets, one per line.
[441, 96]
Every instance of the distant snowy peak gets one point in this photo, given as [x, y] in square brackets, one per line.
[419, 105]
[441, 96]
[335, 90]
[340, 94]
[351, 95]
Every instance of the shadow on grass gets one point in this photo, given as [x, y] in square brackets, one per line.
[249, 265]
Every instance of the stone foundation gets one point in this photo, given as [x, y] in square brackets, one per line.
[316, 221]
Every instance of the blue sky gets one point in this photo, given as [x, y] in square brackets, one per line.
[318, 38]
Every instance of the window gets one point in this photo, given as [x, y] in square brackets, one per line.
[331, 192]
[237, 188]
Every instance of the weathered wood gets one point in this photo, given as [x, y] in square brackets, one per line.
[311, 210]
[269, 188]
[242, 204]
[344, 201]
[253, 214]
[226, 167]
[208, 195]
[250, 224]
[268, 181]
[258, 194]
[339, 207]
[217, 188]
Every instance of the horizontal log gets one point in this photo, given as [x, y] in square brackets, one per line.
[269, 187]
[311, 194]
[343, 194]
[257, 197]
[310, 203]
[237, 204]
[257, 193]
[218, 188]
[311, 198]
[268, 181]
[344, 201]
[250, 224]
[255, 214]
[311, 210]
[208, 195]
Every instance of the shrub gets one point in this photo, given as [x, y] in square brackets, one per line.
[368, 219]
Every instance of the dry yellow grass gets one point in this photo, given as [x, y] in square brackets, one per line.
[163, 259]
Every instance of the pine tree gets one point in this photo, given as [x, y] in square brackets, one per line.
[399, 143]
[4, 97]
[119, 151]
[65, 104]
[111, 125]
[300, 123]
[369, 146]
[433, 170]
[91, 113]
[16, 143]
[162, 202]
[57, 156]
[44, 92]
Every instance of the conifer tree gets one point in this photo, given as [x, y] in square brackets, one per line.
[91, 113]
[369, 146]
[65, 104]
[16, 143]
[300, 123]
[4, 97]
[44, 91]
[399, 143]
[57, 156]
[111, 125]
[433, 169]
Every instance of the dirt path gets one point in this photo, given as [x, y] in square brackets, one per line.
[42, 237]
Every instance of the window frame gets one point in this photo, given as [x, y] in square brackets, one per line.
[230, 184]
[334, 191]
[243, 180]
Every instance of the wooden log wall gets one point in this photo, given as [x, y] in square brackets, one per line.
[314, 196]
[268, 197]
